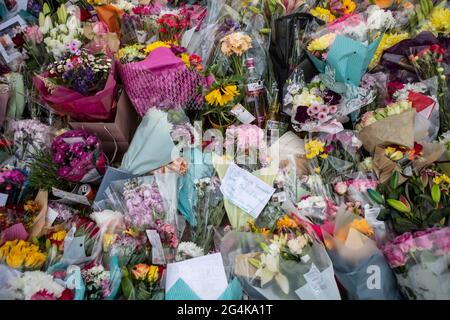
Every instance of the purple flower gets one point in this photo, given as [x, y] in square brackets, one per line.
[74, 46]
[177, 50]
[302, 114]
[331, 97]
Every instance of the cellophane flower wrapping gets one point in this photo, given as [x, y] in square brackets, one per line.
[420, 261]
[309, 278]
[79, 156]
[94, 107]
[161, 80]
[150, 203]
[359, 265]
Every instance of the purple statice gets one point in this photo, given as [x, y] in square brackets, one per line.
[34, 7]
[229, 26]
[144, 204]
[82, 80]
[177, 50]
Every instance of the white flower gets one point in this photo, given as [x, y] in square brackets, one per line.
[379, 19]
[293, 88]
[187, 250]
[287, 99]
[296, 245]
[32, 282]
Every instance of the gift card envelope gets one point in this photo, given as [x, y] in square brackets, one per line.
[204, 275]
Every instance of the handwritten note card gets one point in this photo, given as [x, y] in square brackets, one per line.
[245, 190]
[204, 275]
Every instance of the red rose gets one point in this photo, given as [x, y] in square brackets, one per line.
[85, 14]
[18, 40]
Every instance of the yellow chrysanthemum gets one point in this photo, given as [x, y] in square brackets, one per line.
[155, 45]
[58, 236]
[286, 222]
[185, 58]
[349, 6]
[386, 42]
[322, 43]
[323, 14]
[222, 96]
[314, 148]
[440, 20]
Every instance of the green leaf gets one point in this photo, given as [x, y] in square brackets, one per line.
[403, 225]
[436, 194]
[393, 181]
[375, 196]
[127, 288]
[398, 205]
[384, 215]
[434, 217]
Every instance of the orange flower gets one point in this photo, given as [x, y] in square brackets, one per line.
[286, 223]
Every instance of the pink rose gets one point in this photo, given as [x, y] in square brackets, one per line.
[443, 242]
[341, 188]
[394, 255]
[33, 34]
[405, 242]
[422, 240]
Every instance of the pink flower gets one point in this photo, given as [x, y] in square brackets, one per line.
[33, 34]
[422, 240]
[324, 109]
[310, 112]
[341, 188]
[332, 109]
[443, 242]
[322, 116]
[315, 109]
[100, 28]
[74, 46]
[394, 255]
[405, 242]
[43, 295]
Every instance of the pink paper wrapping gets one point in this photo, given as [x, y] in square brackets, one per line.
[161, 80]
[77, 106]
[16, 231]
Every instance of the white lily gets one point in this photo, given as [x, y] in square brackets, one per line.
[270, 269]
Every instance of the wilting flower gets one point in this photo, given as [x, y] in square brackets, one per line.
[236, 43]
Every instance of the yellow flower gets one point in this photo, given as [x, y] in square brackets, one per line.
[153, 274]
[185, 58]
[32, 206]
[140, 271]
[6, 248]
[440, 20]
[222, 96]
[313, 148]
[58, 236]
[397, 155]
[323, 14]
[442, 180]
[317, 170]
[35, 260]
[155, 45]
[108, 240]
[389, 150]
[322, 43]
[386, 42]
[15, 259]
[362, 226]
[323, 156]
[286, 222]
[349, 6]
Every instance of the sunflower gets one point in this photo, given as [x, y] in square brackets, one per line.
[222, 95]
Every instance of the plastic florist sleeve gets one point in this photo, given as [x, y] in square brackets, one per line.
[289, 265]
[420, 261]
[150, 206]
[360, 267]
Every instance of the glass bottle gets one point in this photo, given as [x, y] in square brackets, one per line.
[256, 95]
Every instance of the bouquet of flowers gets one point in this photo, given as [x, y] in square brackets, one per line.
[419, 261]
[290, 264]
[20, 254]
[355, 255]
[78, 156]
[142, 282]
[161, 74]
[80, 83]
[11, 182]
[101, 283]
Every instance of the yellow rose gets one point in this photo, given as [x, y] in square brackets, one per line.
[153, 274]
[35, 260]
[140, 271]
[15, 259]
